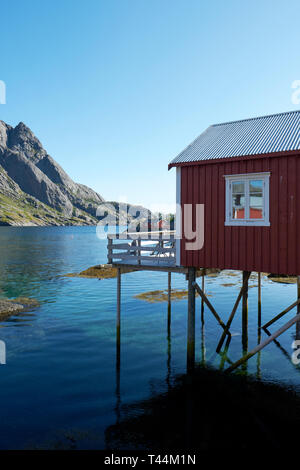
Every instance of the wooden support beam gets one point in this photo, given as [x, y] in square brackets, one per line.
[118, 315]
[228, 324]
[211, 308]
[260, 346]
[259, 299]
[191, 319]
[281, 314]
[202, 301]
[298, 308]
[169, 301]
[246, 276]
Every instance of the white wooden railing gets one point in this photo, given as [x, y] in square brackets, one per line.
[142, 248]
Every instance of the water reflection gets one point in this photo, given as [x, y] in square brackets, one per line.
[208, 410]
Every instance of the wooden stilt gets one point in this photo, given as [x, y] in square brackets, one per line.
[228, 324]
[169, 301]
[260, 346]
[202, 301]
[191, 319]
[298, 308]
[246, 275]
[259, 299]
[118, 316]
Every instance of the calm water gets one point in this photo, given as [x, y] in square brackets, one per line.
[60, 376]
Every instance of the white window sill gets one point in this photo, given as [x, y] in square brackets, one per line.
[247, 223]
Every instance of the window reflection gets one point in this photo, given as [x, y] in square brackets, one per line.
[256, 199]
[238, 200]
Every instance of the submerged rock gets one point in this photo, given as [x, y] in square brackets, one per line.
[162, 295]
[101, 271]
[283, 278]
[10, 307]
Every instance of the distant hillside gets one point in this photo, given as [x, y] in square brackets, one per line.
[34, 188]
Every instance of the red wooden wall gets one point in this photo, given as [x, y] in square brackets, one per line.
[261, 249]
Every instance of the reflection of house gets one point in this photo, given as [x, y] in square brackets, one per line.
[245, 173]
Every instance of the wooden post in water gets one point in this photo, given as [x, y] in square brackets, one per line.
[245, 311]
[169, 301]
[118, 316]
[298, 308]
[191, 319]
[202, 301]
[259, 300]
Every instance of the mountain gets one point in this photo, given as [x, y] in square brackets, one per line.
[35, 190]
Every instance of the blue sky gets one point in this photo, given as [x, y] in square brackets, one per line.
[114, 89]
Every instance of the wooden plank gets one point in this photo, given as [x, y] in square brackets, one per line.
[128, 247]
[152, 267]
[128, 257]
[154, 235]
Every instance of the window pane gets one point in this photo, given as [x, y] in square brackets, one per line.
[255, 186]
[256, 206]
[238, 200]
[238, 187]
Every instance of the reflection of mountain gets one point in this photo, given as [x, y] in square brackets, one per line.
[29, 261]
[209, 410]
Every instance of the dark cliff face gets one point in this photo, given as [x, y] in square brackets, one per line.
[25, 167]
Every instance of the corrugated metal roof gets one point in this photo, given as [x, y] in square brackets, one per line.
[255, 136]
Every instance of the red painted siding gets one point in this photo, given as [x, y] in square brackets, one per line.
[262, 249]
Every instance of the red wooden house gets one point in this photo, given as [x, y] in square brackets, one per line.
[246, 174]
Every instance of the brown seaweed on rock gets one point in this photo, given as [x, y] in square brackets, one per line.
[101, 271]
[9, 307]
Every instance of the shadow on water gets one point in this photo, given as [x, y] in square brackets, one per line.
[207, 409]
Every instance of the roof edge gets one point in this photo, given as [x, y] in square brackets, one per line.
[288, 153]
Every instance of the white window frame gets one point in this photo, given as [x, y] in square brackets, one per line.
[265, 221]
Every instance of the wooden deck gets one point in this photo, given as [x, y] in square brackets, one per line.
[144, 250]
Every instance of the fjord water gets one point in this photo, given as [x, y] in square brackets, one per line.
[59, 385]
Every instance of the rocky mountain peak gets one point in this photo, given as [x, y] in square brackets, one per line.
[21, 139]
[27, 164]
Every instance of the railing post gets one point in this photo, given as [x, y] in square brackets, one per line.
[139, 244]
[109, 252]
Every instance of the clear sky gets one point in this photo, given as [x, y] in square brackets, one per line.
[115, 89]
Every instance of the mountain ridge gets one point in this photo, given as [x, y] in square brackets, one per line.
[36, 190]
